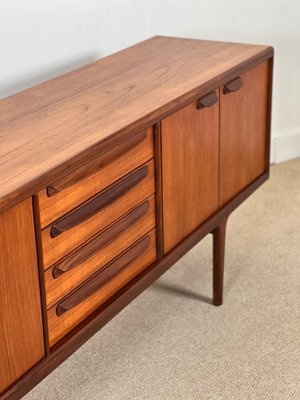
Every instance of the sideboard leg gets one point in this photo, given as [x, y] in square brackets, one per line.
[218, 262]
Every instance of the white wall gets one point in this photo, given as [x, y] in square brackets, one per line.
[40, 39]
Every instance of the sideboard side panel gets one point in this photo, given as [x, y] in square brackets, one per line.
[21, 330]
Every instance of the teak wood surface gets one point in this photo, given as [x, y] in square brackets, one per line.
[190, 163]
[58, 247]
[54, 207]
[61, 325]
[97, 282]
[243, 132]
[98, 105]
[99, 202]
[101, 240]
[121, 299]
[100, 109]
[21, 329]
[56, 288]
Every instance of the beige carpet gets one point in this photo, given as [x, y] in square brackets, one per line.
[171, 344]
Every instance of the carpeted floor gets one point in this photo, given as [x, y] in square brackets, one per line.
[170, 343]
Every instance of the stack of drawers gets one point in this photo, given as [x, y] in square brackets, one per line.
[97, 230]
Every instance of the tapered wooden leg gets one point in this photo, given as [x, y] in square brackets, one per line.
[218, 262]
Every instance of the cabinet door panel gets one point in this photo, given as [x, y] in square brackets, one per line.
[190, 170]
[21, 331]
[243, 132]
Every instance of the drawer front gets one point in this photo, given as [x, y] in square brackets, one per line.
[78, 266]
[69, 192]
[64, 316]
[66, 234]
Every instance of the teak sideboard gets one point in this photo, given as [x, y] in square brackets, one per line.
[111, 173]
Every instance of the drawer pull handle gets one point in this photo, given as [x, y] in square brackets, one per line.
[233, 86]
[99, 202]
[94, 284]
[100, 241]
[94, 166]
[207, 101]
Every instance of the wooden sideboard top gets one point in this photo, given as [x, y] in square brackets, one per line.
[54, 126]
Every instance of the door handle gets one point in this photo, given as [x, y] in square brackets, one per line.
[207, 101]
[233, 86]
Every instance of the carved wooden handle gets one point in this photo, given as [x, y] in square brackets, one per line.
[101, 278]
[99, 202]
[233, 86]
[100, 241]
[207, 101]
[95, 165]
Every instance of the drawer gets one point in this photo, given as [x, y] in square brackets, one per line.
[71, 231]
[82, 263]
[64, 316]
[67, 193]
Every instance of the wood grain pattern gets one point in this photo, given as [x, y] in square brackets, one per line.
[61, 286]
[54, 207]
[243, 133]
[55, 126]
[65, 130]
[101, 316]
[99, 202]
[100, 241]
[103, 277]
[21, 329]
[93, 166]
[56, 248]
[190, 140]
[60, 326]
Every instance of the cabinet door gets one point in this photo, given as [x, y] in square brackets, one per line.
[21, 331]
[243, 131]
[189, 169]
